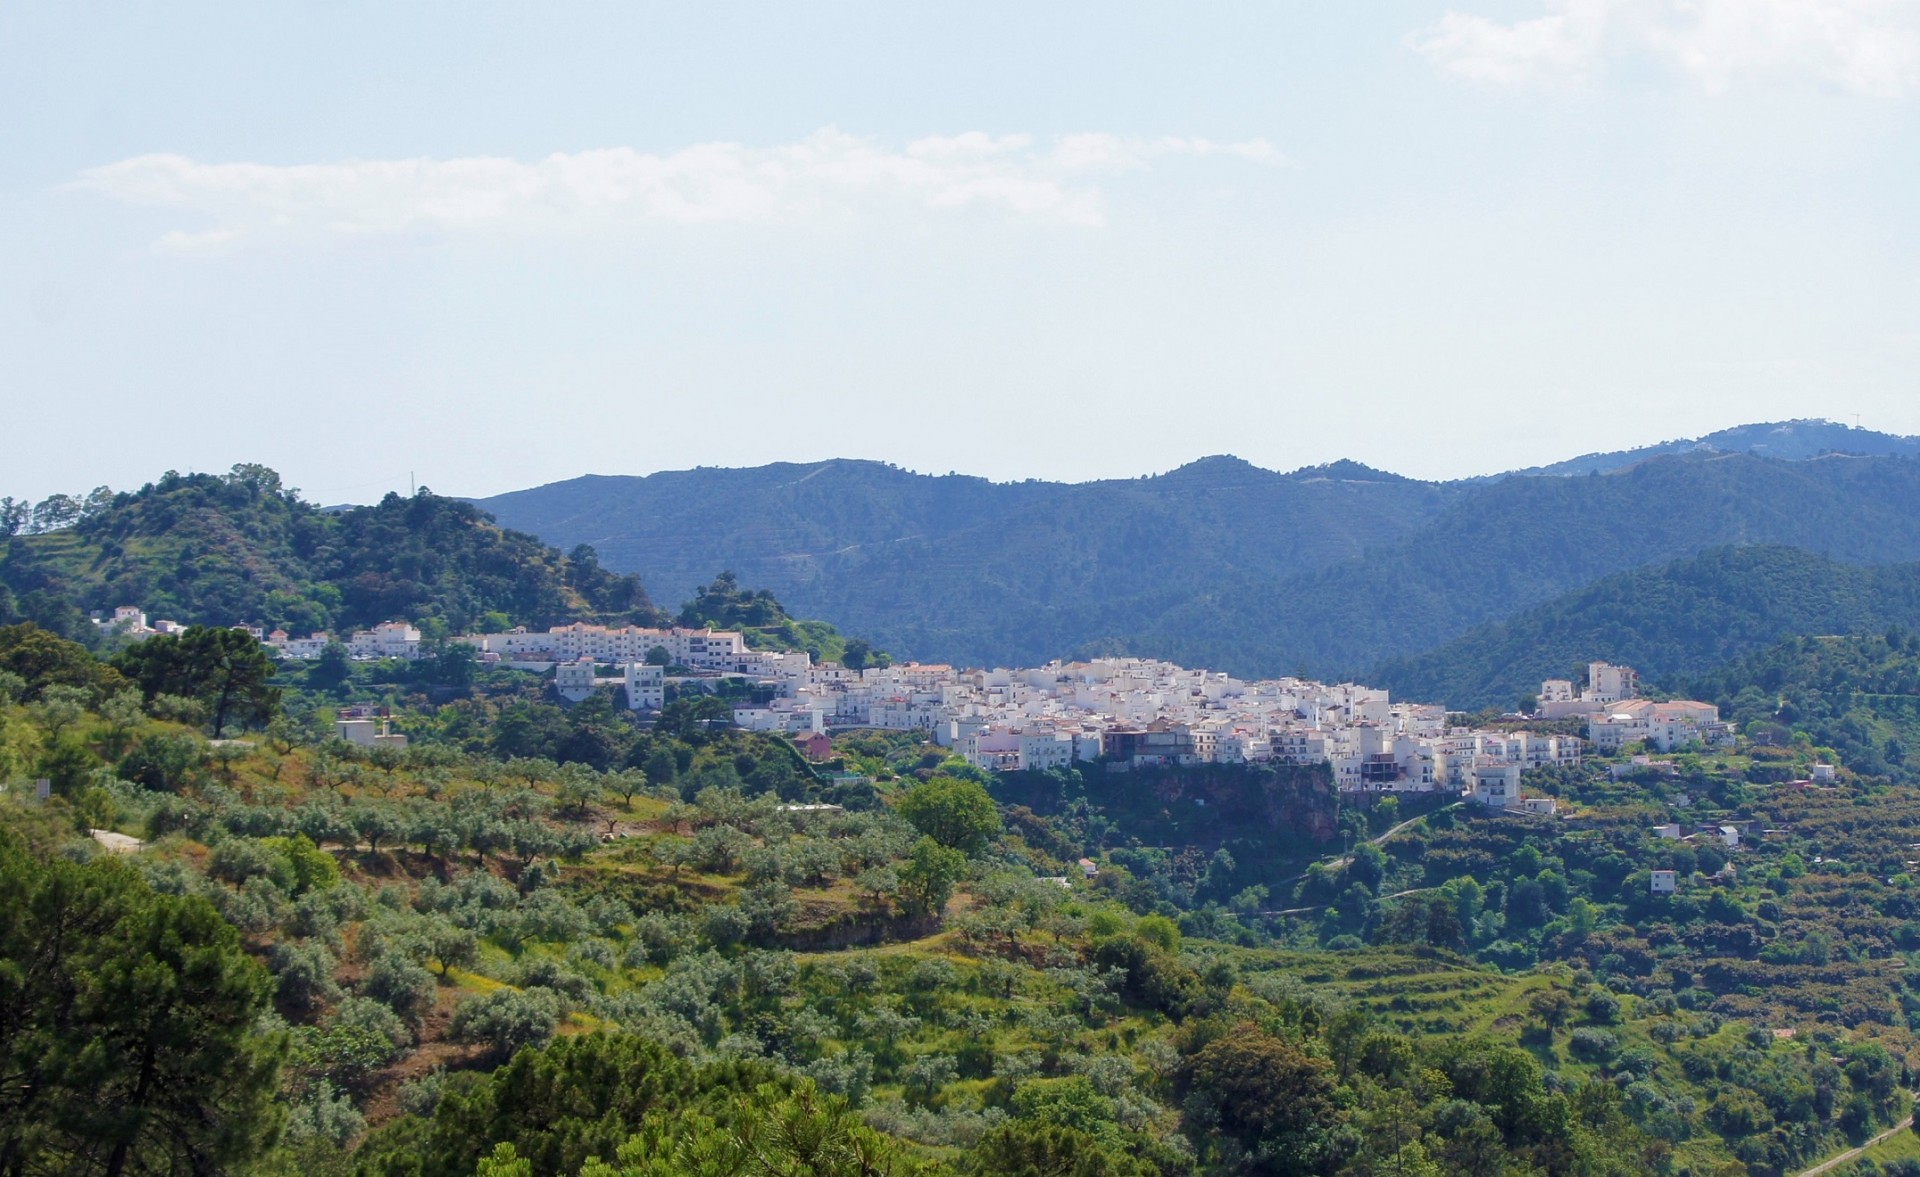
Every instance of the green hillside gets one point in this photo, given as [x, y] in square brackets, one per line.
[223, 549]
[1678, 619]
[493, 953]
[1858, 694]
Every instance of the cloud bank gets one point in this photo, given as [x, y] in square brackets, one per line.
[1862, 46]
[828, 175]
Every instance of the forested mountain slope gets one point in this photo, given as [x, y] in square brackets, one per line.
[1329, 570]
[1522, 541]
[223, 549]
[969, 570]
[1676, 619]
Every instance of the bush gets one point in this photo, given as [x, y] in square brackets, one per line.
[361, 1037]
[1592, 1044]
[165, 762]
[542, 972]
[724, 925]
[238, 859]
[305, 974]
[325, 1113]
[1603, 1007]
[401, 985]
[508, 1019]
[311, 868]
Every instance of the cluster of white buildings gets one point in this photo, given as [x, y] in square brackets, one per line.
[717, 651]
[1124, 712]
[1138, 713]
[130, 621]
[1616, 716]
[389, 639]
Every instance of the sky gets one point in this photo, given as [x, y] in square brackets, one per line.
[483, 246]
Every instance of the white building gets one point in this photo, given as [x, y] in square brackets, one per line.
[299, 649]
[1496, 785]
[575, 680]
[368, 733]
[1044, 748]
[127, 621]
[1666, 727]
[646, 686]
[389, 639]
[1663, 882]
[1607, 683]
[696, 649]
[791, 720]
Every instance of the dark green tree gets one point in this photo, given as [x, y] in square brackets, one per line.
[128, 1036]
[1025, 1148]
[226, 669]
[330, 670]
[44, 660]
[1267, 1092]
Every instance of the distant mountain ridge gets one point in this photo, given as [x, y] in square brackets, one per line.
[1329, 569]
[1786, 440]
[965, 569]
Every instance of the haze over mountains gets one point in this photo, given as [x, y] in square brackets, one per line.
[1330, 570]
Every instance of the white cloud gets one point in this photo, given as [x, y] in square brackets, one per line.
[1863, 46]
[826, 175]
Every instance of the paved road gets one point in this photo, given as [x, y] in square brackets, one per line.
[1853, 1154]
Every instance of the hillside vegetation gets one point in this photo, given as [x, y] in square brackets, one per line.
[240, 547]
[1858, 694]
[1789, 440]
[542, 935]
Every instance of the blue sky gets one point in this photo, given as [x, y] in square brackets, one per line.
[493, 245]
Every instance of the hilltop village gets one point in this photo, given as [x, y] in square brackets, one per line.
[1127, 713]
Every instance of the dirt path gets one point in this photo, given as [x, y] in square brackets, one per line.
[1853, 1154]
[1324, 906]
[1338, 863]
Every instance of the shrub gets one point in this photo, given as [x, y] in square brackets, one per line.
[305, 974]
[1593, 1044]
[1603, 1007]
[401, 985]
[508, 1019]
[238, 859]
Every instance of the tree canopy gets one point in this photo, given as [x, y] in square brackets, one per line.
[128, 1035]
[224, 669]
[958, 814]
